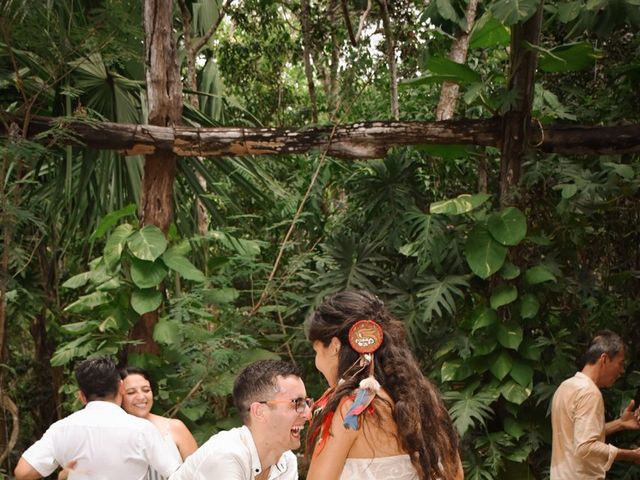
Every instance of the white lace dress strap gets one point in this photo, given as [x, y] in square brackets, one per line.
[397, 467]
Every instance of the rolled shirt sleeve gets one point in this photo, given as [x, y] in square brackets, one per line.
[589, 426]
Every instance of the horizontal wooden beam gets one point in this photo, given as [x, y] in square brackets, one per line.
[364, 140]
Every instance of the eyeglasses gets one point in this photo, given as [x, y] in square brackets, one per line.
[300, 403]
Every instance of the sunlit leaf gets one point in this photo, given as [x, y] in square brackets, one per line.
[148, 243]
[461, 204]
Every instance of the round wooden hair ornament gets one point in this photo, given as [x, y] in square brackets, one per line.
[365, 336]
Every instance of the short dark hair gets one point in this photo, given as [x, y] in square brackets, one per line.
[258, 382]
[97, 378]
[605, 341]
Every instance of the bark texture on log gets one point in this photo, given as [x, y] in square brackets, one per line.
[359, 140]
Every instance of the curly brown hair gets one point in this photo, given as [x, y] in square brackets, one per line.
[424, 427]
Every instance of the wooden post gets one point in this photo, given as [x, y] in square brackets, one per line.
[515, 123]
[164, 96]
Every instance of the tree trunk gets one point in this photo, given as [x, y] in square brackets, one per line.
[164, 96]
[449, 92]
[305, 22]
[516, 122]
[391, 60]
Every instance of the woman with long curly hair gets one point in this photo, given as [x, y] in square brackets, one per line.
[380, 418]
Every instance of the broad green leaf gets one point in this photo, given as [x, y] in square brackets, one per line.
[521, 373]
[446, 10]
[511, 12]
[489, 32]
[148, 243]
[539, 274]
[484, 255]
[509, 336]
[469, 408]
[529, 306]
[179, 263]
[446, 348]
[623, 170]
[146, 300]
[461, 73]
[501, 367]
[110, 219]
[569, 11]
[77, 281]
[509, 271]
[455, 370]
[513, 427]
[111, 284]
[483, 346]
[88, 302]
[462, 204]
[483, 317]
[571, 57]
[568, 190]
[167, 332]
[503, 295]
[115, 245]
[79, 347]
[508, 226]
[514, 392]
[147, 274]
[221, 295]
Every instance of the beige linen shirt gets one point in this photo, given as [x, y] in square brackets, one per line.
[577, 418]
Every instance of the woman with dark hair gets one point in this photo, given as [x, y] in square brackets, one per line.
[380, 418]
[138, 400]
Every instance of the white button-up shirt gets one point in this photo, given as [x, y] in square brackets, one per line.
[232, 455]
[579, 450]
[107, 442]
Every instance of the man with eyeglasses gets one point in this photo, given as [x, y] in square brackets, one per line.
[273, 405]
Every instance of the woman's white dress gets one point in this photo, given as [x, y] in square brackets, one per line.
[168, 439]
[397, 467]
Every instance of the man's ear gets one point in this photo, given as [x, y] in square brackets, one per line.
[82, 397]
[257, 412]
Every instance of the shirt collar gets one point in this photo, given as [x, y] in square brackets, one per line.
[256, 467]
[103, 405]
[585, 377]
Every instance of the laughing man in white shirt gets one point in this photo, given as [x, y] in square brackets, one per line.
[274, 408]
[101, 441]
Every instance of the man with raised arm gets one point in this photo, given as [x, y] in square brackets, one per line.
[579, 451]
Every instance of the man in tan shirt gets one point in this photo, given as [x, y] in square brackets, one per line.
[579, 451]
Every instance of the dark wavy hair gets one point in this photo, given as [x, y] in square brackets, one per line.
[425, 429]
